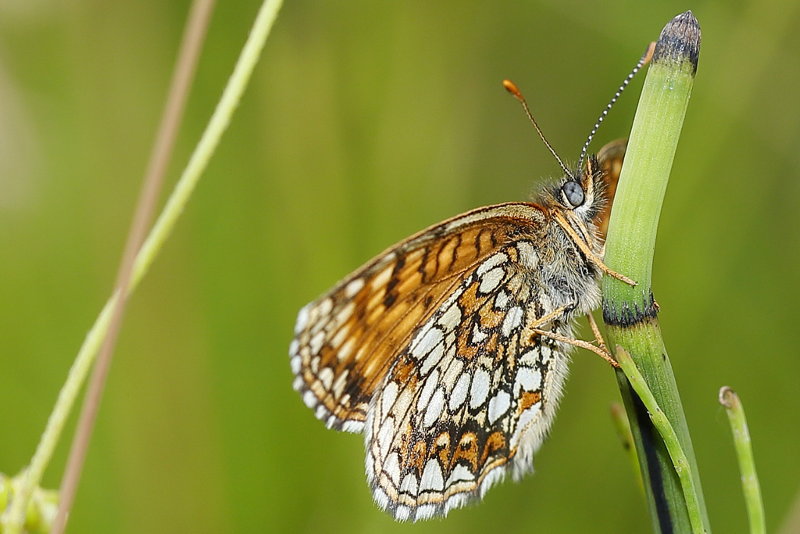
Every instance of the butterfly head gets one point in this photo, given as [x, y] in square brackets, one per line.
[582, 192]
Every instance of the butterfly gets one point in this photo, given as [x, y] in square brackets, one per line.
[449, 350]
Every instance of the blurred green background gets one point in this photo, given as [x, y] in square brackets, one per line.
[365, 122]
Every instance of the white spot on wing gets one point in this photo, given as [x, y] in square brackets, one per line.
[385, 436]
[491, 280]
[383, 277]
[459, 393]
[523, 424]
[492, 262]
[512, 320]
[326, 377]
[425, 341]
[432, 477]
[409, 485]
[501, 300]
[453, 368]
[478, 335]
[498, 406]
[392, 468]
[427, 390]
[302, 320]
[338, 384]
[346, 350]
[451, 318]
[324, 308]
[340, 335]
[480, 388]
[298, 383]
[434, 408]
[345, 313]
[388, 397]
[309, 399]
[528, 379]
[353, 287]
[404, 400]
[531, 357]
[460, 473]
[433, 358]
[316, 342]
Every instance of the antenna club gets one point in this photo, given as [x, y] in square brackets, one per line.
[648, 55]
[512, 88]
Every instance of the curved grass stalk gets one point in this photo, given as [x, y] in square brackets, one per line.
[670, 437]
[744, 454]
[13, 519]
[630, 313]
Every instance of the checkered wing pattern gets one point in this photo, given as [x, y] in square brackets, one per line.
[442, 349]
[472, 395]
[347, 340]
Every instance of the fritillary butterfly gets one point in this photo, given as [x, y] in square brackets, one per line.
[449, 350]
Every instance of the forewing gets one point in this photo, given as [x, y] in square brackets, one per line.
[472, 394]
[346, 341]
[610, 159]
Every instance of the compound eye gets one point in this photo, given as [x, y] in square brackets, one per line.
[573, 192]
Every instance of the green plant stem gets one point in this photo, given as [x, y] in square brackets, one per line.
[182, 77]
[744, 453]
[668, 435]
[630, 312]
[150, 248]
[41, 508]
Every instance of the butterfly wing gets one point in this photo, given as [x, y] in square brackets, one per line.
[347, 340]
[472, 394]
[430, 349]
[610, 158]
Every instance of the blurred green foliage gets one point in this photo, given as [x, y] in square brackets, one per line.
[366, 122]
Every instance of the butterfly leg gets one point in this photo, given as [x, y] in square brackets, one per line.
[579, 343]
[598, 337]
[544, 319]
[589, 253]
[600, 349]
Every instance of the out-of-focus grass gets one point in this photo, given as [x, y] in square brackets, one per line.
[365, 123]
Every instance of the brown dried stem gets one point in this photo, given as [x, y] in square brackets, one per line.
[183, 75]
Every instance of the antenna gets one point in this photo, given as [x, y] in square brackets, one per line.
[514, 90]
[644, 60]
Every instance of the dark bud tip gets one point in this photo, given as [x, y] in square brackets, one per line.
[679, 41]
[727, 397]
